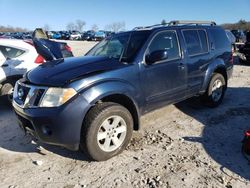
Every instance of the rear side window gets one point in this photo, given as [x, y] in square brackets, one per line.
[203, 40]
[10, 52]
[166, 40]
[196, 41]
[220, 38]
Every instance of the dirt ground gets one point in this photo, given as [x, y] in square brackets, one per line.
[182, 145]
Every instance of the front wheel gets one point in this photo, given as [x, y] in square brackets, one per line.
[106, 131]
[215, 91]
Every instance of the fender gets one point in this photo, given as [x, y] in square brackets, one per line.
[96, 91]
[217, 63]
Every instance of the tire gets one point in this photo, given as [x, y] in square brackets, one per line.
[7, 91]
[215, 91]
[98, 123]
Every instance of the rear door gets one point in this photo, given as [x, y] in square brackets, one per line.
[12, 61]
[198, 57]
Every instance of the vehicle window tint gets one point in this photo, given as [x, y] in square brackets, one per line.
[192, 42]
[166, 41]
[10, 52]
[220, 38]
[135, 43]
[196, 41]
[203, 39]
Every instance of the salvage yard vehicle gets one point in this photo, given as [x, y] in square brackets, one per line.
[239, 35]
[244, 55]
[75, 35]
[99, 35]
[93, 103]
[19, 56]
[16, 58]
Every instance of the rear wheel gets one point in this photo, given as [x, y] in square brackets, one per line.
[106, 131]
[215, 91]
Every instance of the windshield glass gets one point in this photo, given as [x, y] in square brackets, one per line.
[120, 46]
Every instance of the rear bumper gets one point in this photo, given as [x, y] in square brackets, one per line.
[58, 126]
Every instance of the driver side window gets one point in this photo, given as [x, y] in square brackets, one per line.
[166, 40]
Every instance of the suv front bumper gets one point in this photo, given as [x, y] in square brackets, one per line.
[58, 125]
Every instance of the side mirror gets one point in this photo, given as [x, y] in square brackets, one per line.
[155, 56]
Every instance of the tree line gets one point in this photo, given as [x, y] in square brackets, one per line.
[117, 26]
[77, 25]
[242, 24]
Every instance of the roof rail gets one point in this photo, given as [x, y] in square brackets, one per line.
[186, 22]
[176, 23]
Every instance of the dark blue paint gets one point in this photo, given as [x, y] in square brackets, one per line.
[148, 86]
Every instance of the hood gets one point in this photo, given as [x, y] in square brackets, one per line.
[57, 73]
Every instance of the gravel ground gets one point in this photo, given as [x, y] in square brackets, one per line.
[182, 145]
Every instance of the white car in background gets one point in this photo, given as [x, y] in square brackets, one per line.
[75, 35]
[16, 58]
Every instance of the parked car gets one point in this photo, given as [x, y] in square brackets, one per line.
[56, 35]
[240, 35]
[88, 35]
[244, 55]
[75, 35]
[16, 58]
[99, 35]
[65, 35]
[49, 34]
[94, 103]
[244, 51]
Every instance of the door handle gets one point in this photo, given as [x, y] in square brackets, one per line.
[5, 65]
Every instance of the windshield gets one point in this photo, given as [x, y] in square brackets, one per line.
[120, 46]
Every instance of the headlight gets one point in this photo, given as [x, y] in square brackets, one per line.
[57, 96]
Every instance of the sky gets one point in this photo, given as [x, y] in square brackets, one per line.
[58, 13]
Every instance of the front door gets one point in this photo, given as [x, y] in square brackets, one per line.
[164, 81]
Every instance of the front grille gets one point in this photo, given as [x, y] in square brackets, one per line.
[28, 96]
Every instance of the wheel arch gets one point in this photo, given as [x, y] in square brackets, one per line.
[217, 66]
[118, 91]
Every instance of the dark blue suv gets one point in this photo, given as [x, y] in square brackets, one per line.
[94, 103]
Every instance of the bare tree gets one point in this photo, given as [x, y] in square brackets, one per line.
[46, 27]
[71, 26]
[80, 24]
[116, 26]
[12, 29]
[94, 27]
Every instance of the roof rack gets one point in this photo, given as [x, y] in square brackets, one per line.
[176, 23]
[185, 22]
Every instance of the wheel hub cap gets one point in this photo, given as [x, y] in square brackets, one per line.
[111, 133]
[217, 90]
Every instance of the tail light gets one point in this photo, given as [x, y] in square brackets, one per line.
[39, 59]
[68, 48]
